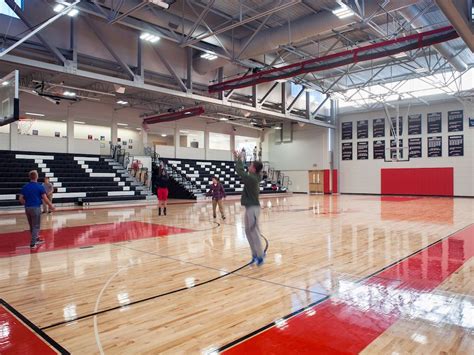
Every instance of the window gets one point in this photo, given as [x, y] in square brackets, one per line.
[219, 141]
[248, 143]
[191, 139]
[5, 9]
[161, 139]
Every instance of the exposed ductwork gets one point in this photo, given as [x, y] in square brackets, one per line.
[270, 39]
[457, 12]
[352, 56]
[411, 15]
[174, 116]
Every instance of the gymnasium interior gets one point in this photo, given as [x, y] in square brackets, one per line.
[362, 115]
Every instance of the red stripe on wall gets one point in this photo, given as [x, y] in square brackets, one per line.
[418, 181]
[360, 312]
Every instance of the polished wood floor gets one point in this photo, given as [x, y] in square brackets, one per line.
[152, 295]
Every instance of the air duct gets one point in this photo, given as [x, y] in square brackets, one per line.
[410, 14]
[174, 116]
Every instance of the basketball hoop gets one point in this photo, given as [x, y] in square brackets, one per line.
[392, 157]
[25, 124]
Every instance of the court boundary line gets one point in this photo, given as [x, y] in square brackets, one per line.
[152, 297]
[55, 345]
[301, 310]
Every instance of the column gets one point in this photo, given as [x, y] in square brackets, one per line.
[14, 136]
[176, 140]
[113, 131]
[206, 142]
[70, 131]
[232, 144]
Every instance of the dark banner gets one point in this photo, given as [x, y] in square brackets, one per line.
[393, 152]
[378, 127]
[362, 150]
[347, 151]
[414, 147]
[414, 124]
[434, 122]
[363, 129]
[455, 121]
[379, 149]
[471, 122]
[456, 146]
[435, 147]
[400, 125]
[346, 130]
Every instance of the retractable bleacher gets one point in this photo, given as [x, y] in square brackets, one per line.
[200, 173]
[76, 177]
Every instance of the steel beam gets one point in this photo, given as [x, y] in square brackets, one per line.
[283, 98]
[140, 67]
[189, 68]
[313, 114]
[119, 60]
[200, 17]
[129, 12]
[80, 73]
[267, 94]
[288, 109]
[57, 54]
[171, 70]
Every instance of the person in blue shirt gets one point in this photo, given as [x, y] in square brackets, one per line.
[32, 196]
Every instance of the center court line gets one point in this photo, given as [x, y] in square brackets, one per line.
[94, 314]
[246, 340]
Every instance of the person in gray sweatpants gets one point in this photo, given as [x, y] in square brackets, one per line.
[32, 196]
[250, 200]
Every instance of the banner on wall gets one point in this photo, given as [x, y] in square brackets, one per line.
[394, 124]
[362, 150]
[455, 121]
[414, 124]
[435, 147]
[471, 122]
[414, 148]
[393, 153]
[379, 149]
[378, 127]
[456, 145]
[346, 130]
[433, 122]
[363, 129]
[346, 151]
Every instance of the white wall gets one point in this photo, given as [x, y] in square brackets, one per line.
[5, 129]
[307, 151]
[363, 176]
[42, 144]
[4, 141]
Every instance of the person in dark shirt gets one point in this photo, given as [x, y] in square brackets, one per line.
[216, 191]
[250, 200]
[162, 191]
[31, 196]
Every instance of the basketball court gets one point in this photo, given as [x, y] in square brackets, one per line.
[361, 115]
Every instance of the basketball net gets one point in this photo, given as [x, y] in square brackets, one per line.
[25, 124]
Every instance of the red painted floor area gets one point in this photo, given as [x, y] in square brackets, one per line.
[18, 336]
[17, 243]
[349, 321]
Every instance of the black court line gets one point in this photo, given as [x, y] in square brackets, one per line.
[152, 297]
[34, 328]
[295, 313]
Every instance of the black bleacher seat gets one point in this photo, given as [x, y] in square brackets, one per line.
[200, 173]
[91, 178]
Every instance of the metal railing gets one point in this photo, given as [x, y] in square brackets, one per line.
[181, 179]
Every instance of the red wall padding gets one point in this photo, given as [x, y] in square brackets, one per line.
[326, 181]
[418, 181]
[334, 181]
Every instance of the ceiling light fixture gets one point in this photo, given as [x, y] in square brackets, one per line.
[5, 83]
[122, 124]
[277, 127]
[223, 119]
[122, 102]
[400, 55]
[209, 55]
[73, 12]
[69, 93]
[161, 3]
[149, 37]
[79, 122]
[164, 135]
[59, 8]
[343, 12]
[34, 114]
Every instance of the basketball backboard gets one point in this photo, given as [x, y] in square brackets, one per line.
[9, 98]
[391, 155]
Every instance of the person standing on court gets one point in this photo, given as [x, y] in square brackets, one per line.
[250, 200]
[31, 196]
[217, 192]
[49, 188]
[162, 191]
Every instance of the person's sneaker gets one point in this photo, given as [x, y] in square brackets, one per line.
[253, 261]
[39, 241]
[50, 211]
[260, 261]
[223, 217]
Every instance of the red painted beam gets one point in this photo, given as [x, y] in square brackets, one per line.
[174, 116]
[356, 55]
